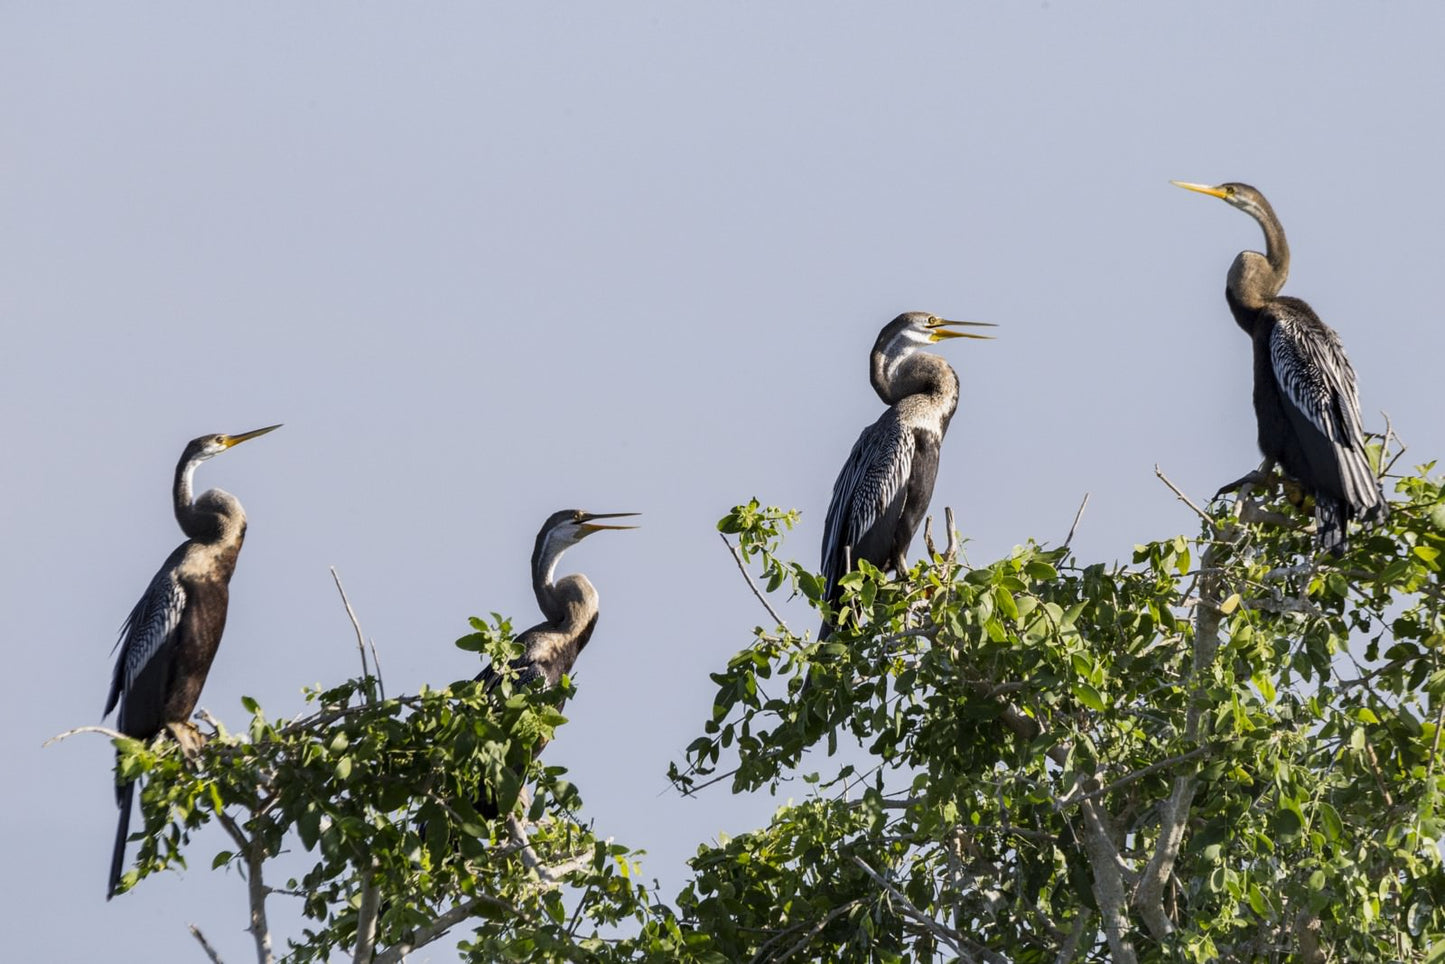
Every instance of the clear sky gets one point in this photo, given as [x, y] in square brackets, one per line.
[487, 261]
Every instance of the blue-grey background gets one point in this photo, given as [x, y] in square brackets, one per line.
[486, 261]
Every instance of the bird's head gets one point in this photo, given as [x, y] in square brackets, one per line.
[913, 330]
[568, 527]
[1243, 196]
[209, 446]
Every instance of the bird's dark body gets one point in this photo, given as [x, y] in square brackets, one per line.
[171, 637]
[1284, 434]
[1306, 404]
[882, 492]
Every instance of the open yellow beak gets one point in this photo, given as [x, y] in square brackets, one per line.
[590, 526]
[938, 329]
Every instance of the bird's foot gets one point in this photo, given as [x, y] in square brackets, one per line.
[188, 736]
[1257, 478]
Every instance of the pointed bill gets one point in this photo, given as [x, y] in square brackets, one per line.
[1209, 189]
[230, 440]
[590, 526]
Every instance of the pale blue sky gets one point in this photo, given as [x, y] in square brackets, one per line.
[486, 262]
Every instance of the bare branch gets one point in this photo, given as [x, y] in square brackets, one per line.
[1079, 515]
[376, 664]
[950, 551]
[355, 623]
[928, 537]
[737, 557]
[205, 944]
[1182, 497]
[103, 730]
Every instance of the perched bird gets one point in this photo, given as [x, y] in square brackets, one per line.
[550, 648]
[171, 636]
[883, 490]
[1305, 401]
[569, 607]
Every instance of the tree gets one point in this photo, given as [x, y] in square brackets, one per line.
[1226, 748]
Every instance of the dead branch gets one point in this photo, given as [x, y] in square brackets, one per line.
[1077, 516]
[103, 730]
[1182, 497]
[205, 944]
[355, 623]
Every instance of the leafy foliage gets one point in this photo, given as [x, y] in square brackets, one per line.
[1227, 748]
[1014, 751]
[390, 795]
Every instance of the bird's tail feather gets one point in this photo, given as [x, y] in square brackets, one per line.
[124, 794]
[1331, 519]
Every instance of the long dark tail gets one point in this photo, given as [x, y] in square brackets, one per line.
[1331, 518]
[124, 794]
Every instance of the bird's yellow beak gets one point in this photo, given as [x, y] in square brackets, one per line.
[229, 440]
[937, 329]
[1202, 189]
[589, 526]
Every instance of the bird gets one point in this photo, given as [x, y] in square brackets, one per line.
[170, 638]
[569, 609]
[1306, 402]
[884, 487]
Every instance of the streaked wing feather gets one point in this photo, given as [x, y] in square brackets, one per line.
[873, 478]
[150, 625]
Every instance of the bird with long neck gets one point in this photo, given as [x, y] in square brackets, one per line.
[1306, 403]
[883, 490]
[569, 606]
[171, 636]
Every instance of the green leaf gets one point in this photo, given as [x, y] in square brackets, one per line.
[1089, 696]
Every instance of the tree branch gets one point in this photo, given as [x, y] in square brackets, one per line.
[1149, 895]
[205, 944]
[255, 857]
[1108, 882]
[939, 930]
[1079, 515]
[355, 623]
[366, 916]
[445, 922]
[742, 568]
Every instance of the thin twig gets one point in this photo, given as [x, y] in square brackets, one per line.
[737, 557]
[205, 944]
[376, 664]
[928, 537]
[1182, 497]
[1198, 751]
[943, 932]
[1079, 515]
[104, 730]
[355, 623]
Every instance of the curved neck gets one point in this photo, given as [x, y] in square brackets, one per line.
[918, 373]
[544, 568]
[1255, 278]
[191, 521]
